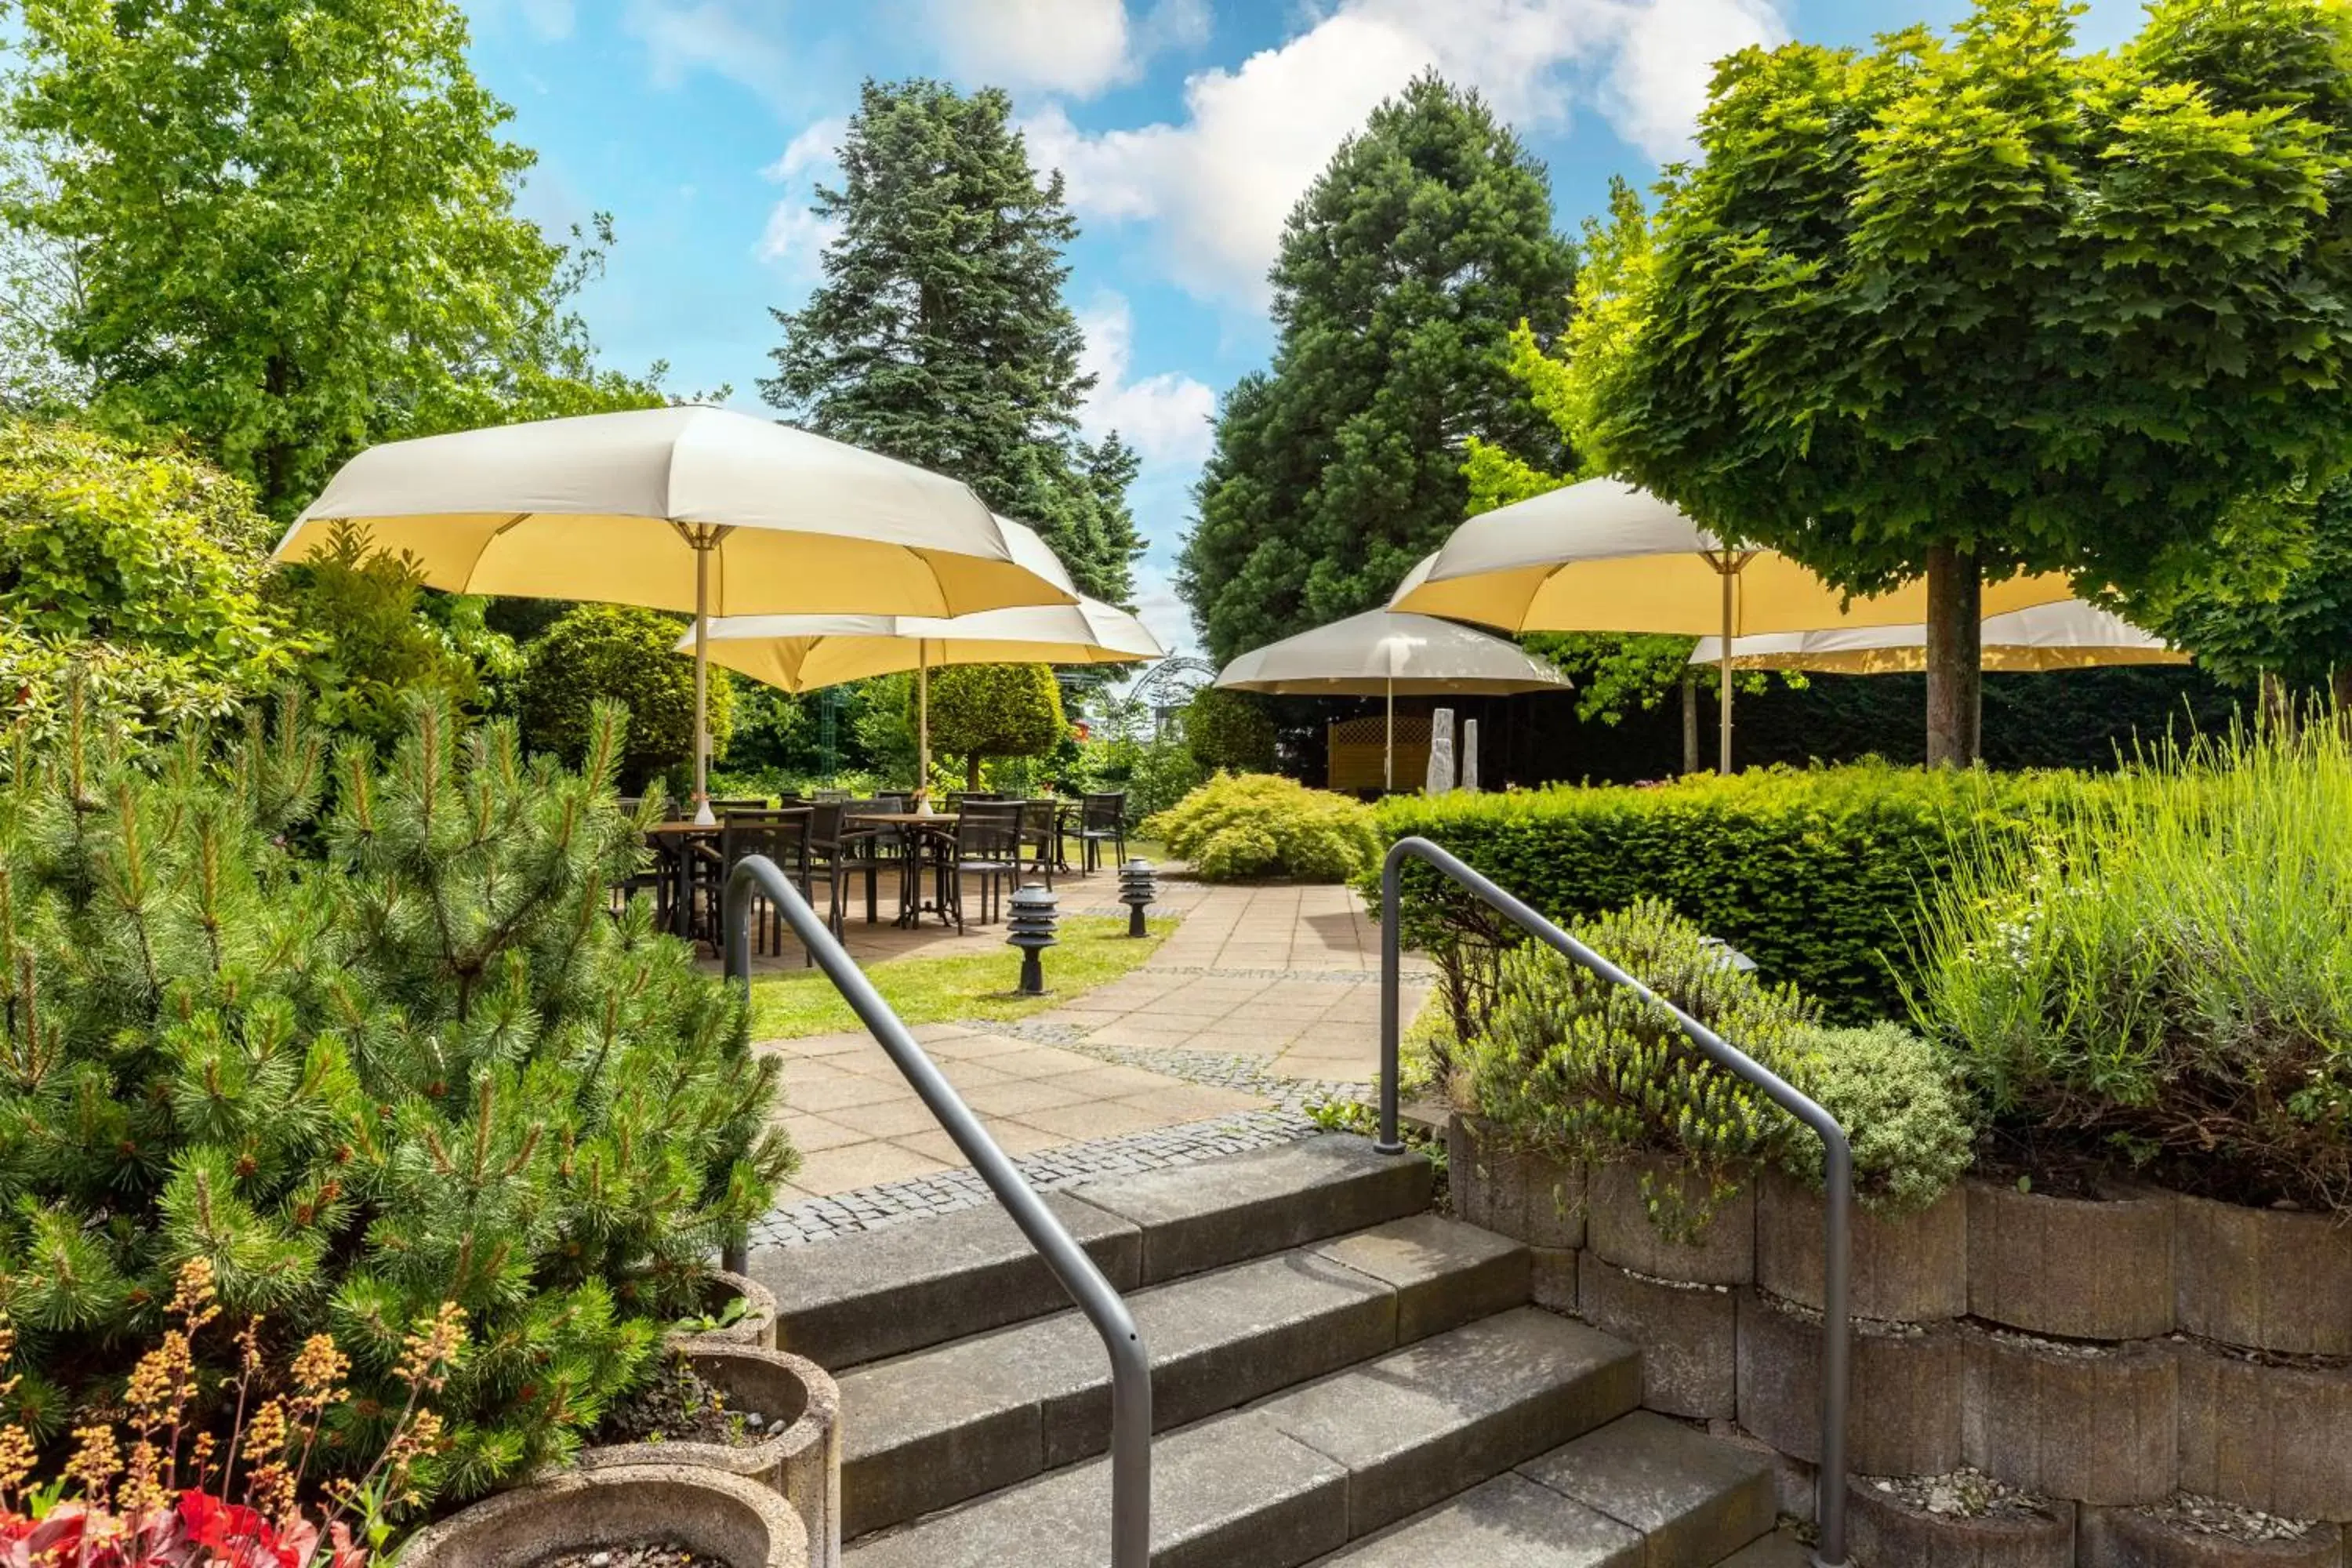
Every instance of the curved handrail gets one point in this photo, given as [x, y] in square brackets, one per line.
[1131, 1368]
[1837, 1154]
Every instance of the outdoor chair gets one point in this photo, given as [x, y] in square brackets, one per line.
[1042, 820]
[1102, 819]
[839, 850]
[830, 797]
[987, 844]
[783, 837]
[957, 799]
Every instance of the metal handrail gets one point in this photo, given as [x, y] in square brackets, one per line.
[1837, 1154]
[1131, 1368]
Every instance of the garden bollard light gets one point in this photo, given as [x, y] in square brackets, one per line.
[1137, 887]
[1031, 929]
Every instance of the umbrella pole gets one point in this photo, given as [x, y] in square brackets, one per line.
[702, 814]
[1730, 574]
[1388, 753]
[923, 717]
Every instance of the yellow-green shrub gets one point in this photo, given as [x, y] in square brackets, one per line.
[1262, 825]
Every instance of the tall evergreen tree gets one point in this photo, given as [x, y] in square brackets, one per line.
[1401, 273]
[939, 335]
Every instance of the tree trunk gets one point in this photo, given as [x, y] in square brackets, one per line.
[1690, 720]
[2277, 704]
[1955, 657]
[971, 772]
[2339, 685]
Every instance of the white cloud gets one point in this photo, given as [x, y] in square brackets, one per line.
[796, 237]
[1167, 616]
[1220, 183]
[1074, 46]
[1165, 417]
[681, 38]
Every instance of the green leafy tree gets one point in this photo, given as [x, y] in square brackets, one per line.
[1227, 729]
[1401, 272]
[1964, 309]
[144, 569]
[367, 1039]
[617, 653]
[293, 229]
[939, 335]
[983, 710]
[2295, 629]
[374, 640]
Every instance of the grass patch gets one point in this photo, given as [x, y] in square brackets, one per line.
[1094, 950]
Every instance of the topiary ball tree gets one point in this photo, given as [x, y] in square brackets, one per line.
[1227, 729]
[617, 653]
[983, 710]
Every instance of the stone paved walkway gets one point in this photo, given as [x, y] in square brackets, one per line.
[1264, 1000]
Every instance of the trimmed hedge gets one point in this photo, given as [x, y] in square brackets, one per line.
[1817, 874]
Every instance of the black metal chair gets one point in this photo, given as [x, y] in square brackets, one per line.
[1102, 819]
[958, 798]
[1041, 819]
[840, 850]
[987, 844]
[783, 837]
[830, 796]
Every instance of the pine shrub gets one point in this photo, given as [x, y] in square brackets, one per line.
[365, 1037]
[1262, 825]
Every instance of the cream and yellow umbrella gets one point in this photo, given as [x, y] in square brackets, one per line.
[694, 509]
[1606, 556]
[1380, 653]
[803, 653]
[2070, 635]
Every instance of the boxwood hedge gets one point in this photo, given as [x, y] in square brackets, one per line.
[1816, 874]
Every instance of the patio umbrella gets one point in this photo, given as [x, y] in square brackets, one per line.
[689, 508]
[2070, 635]
[803, 653]
[1605, 556]
[1381, 652]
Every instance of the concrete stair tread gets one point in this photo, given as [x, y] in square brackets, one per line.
[1388, 1437]
[1695, 1499]
[945, 1423]
[869, 1295]
[1782, 1549]
[1508, 1522]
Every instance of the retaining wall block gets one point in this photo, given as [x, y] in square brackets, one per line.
[2128, 1537]
[1688, 1334]
[2069, 1267]
[2097, 1426]
[1904, 1418]
[1882, 1533]
[1619, 1230]
[2276, 1438]
[1529, 1196]
[2264, 1279]
[1552, 1277]
[1907, 1269]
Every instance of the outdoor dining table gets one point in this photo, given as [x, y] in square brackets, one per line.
[917, 826]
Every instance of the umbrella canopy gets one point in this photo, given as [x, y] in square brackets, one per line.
[1606, 556]
[689, 508]
[1381, 653]
[2067, 635]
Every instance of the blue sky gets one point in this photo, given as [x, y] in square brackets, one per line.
[1186, 129]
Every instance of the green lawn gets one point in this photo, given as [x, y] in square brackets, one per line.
[1094, 949]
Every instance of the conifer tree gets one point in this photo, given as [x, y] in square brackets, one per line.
[1401, 272]
[368, 1039]
[939, 335]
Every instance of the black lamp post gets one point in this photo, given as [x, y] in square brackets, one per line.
[1137, 887]
[1031, 929]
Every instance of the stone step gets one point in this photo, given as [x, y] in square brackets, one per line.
[1782, 1549]
[1693, 1499]
[904, 1286]
[1298, 1476]
[942, 1425]
[1649, 1494]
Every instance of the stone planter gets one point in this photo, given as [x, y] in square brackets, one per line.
[1904, 1418]
[755, 1330]
[1883, 1529]
[799, 1456]
[1619, 1231]
[1527, 1197]
[2264, 1279]
[2126, 1537]
[2094, 1424]
[1907, 1269]
[1688, 1334]
[737, 1521]
[2275, 1439]
[2070, 1267]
